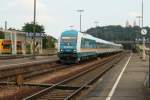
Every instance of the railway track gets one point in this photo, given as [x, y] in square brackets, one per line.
[27, 71]
[72, 87]
[32, 70]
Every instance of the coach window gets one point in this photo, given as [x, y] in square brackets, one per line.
[82, 43]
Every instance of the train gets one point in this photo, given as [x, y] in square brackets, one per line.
[74, 47]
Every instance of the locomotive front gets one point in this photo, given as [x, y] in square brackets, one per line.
[67, 51]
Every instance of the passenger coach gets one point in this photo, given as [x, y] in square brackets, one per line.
[74, 46]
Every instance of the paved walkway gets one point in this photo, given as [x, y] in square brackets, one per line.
[126, 86]
[10, 62]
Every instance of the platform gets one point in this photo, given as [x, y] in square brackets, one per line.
[19, 61]
[125, 81]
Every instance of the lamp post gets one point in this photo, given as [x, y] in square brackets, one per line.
[34, 28]
[80, 11]
[96, 26]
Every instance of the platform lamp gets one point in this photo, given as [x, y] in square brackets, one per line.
[80, 11]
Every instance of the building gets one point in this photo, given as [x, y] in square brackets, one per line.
[38, 42]
[25, 40]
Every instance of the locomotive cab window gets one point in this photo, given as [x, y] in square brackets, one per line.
[68, 39]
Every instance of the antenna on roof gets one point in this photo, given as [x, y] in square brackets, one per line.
[71, 27]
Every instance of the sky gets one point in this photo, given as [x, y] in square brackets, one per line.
[58, 15]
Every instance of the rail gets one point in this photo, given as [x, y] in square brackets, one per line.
[68, 94]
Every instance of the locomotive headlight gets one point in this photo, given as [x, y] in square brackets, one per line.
[74, 50]
[61, 50]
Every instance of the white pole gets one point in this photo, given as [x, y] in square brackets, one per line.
[12, 42]
[15, 41]
[41, 45]
[23, 44]
[34, 29]
[144, 56]
[80, 11]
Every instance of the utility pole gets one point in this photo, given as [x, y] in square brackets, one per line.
[5, 25]
[34, 28]
[80, 11]
[144, 56]
[142, 12]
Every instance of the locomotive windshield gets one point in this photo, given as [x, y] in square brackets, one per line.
[68, 39]
[68, 42]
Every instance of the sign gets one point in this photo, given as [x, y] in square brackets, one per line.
[143, 31]
[36, 34]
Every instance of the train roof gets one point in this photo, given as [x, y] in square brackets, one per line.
[70, 33]
[98, 40]
[87, 36]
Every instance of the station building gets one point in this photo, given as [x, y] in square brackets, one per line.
[22, 42]
[38, 42]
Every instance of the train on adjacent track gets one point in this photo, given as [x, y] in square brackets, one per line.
[74, 46]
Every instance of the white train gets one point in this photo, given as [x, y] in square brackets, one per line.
[74, 46]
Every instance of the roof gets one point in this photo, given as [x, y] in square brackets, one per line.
[87, 36]
[98, 40]
[70, 33]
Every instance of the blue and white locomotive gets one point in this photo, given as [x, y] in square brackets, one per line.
[74, 46]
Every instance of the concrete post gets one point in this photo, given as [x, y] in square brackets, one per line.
[41, 45]
[31, 47]
[144, 56]
[23, 47]
[15, 43]
[13, 40]
[149, 71]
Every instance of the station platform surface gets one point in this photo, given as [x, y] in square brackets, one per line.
[13, 62]
[125, 81]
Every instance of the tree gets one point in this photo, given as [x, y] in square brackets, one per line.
[118, 33]
[2, 36]
[28, 27]
[49, 42]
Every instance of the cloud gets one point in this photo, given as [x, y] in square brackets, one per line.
[134, 14]
[23, 11]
